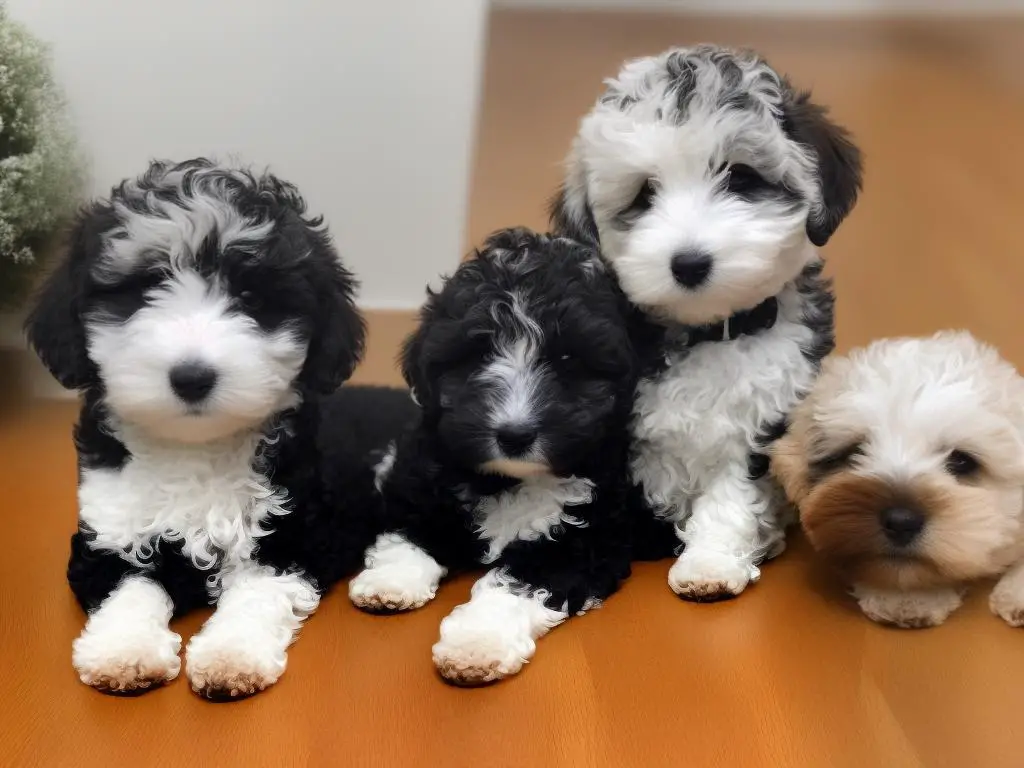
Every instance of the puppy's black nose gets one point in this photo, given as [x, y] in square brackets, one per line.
[515, 439]
[901, 525]
[192, 382]
[691, 268]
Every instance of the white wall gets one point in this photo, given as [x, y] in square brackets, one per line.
[369, 106]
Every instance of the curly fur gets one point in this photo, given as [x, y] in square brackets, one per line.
[708, 182]
[906, 461]
[252, 479]
[532, 332]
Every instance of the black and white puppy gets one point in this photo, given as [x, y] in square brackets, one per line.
[205, 320]
[525, 371]
[709, 183]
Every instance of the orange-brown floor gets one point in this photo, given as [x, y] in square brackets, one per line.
[787, 675]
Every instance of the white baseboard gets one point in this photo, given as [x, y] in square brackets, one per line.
[385, 305]
[11, 336]
[34, 380]
[824, 8]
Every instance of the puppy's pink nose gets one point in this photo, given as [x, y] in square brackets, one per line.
[901, 525]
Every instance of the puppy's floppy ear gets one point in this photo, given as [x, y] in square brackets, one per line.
[569, 210]
[789, 466]
[55, 327]
[839, 162]
[411, 357]
[339, 332]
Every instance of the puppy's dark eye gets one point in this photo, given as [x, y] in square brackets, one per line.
[644, 199]
[565, 361]
[744, 180]
[124, 298]
[564, 357]
[961, 464]
[477, 347]
[250, 300]
[837, 459]
[139, 282]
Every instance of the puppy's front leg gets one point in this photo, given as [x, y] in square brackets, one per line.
[722, 539]
[1007, 598]
[495, 633]
[538, 585]
[127, 646]
[242, 648]
[910, 609]
[399, 576]
[426, 536]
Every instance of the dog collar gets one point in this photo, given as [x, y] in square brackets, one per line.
[747, 322]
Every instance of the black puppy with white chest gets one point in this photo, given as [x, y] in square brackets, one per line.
[524, 365]
[207, 323]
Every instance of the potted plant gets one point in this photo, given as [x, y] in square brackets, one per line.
[41, 169]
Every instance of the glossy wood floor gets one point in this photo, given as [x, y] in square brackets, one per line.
[787, 675]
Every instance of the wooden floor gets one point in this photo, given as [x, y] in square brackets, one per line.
[789, 674]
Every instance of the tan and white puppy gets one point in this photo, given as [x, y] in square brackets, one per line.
[906, 462]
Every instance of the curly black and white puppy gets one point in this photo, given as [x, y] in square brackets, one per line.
[205, 320]
[709, 183]
[525, 371]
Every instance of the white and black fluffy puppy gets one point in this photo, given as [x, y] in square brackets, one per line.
[525, 371]
[709, 183]
[207, 322]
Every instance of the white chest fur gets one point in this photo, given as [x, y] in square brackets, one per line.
[208, 496]
[703, 414]
[529, 511]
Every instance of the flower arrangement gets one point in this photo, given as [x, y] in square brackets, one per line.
[41, 170]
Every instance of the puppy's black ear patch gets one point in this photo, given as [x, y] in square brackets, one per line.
[55, 327]
[839, 162]
[339, 331]
[571, 215]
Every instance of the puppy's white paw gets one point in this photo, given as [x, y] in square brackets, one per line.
[126, 659]
[223, 664]
[399, 576]
[1007, 604]
[472, 651]
[909, 610]
[706, 576]
[392, 587]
